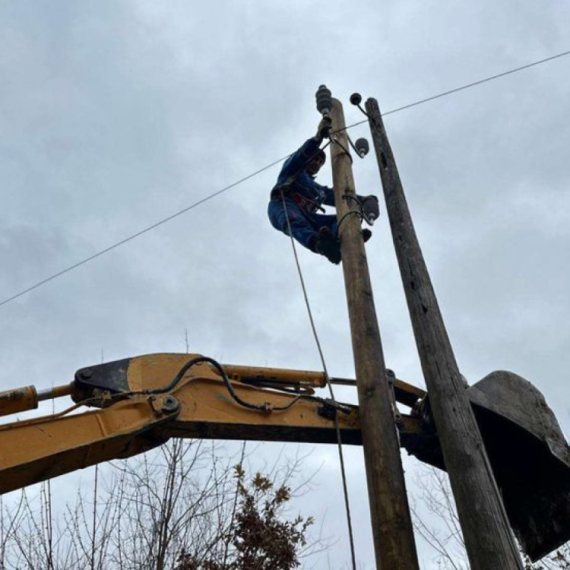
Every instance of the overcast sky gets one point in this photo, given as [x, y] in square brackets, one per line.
[117, 114]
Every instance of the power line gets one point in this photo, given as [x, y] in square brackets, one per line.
[137, 234]
[249, 176]
[467, 86]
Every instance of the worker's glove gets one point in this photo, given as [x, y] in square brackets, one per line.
[324, 128]
[370, 209]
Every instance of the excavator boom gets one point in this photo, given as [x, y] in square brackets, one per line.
[144, 401]
[139, 403]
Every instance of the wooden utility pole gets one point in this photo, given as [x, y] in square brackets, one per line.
[488, 538]
[391, 522]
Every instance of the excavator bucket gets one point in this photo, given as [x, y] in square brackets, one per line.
[529, 457]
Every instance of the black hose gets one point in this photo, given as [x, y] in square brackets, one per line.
[219, 368]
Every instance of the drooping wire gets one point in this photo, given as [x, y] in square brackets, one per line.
[463, 87]
[217, 193]
[139, 233]
[329, 384]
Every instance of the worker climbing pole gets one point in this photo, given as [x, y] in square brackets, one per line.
[392, 528]
[296, 201]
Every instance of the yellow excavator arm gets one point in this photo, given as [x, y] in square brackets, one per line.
[143, 401]
[139, 403]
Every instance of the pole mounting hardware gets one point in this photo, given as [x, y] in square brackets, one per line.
[356, 99]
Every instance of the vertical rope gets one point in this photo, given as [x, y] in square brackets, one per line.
[329, 384]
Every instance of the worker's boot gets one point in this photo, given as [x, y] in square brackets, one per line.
[328, 245]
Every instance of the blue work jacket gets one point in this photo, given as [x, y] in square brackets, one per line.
[294, 179]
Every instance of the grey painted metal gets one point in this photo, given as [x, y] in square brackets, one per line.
[488, 538]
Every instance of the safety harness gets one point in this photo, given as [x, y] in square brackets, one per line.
[305, 204]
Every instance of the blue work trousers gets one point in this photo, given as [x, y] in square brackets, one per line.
[305, 226]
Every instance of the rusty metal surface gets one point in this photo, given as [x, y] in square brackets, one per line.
[18, 400]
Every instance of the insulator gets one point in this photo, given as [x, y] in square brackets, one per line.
[324, 100]
[362, 147]
[356, 98]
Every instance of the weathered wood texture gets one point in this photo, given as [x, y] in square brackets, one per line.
[391, 522]
[488, 538]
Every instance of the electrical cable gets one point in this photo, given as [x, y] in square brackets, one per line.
[329, 384]
[463, 87]
[226, 188]
[139, 233]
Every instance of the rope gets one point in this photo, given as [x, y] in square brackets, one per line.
[329, 384]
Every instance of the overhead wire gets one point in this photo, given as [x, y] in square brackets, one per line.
[463, 87]
[139, 233]
[249, 176]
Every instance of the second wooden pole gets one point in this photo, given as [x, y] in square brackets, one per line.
[488, 538]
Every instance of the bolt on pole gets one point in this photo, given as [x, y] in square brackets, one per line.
[488, 538]
[392, 528]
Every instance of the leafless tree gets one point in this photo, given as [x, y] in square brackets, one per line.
[439, 525]
[142, 514]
